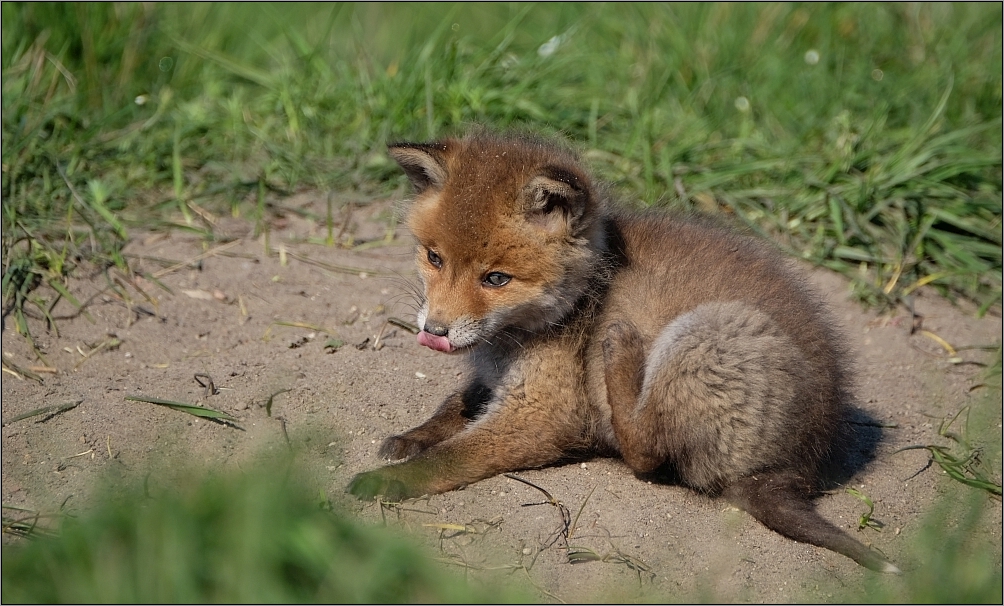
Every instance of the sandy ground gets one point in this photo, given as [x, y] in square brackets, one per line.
[227, 317]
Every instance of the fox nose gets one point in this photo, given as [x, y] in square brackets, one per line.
[433, 327]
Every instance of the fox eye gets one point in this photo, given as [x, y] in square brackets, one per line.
[435, 259]
[496, 279]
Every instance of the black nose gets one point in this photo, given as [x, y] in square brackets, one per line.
[436, 328]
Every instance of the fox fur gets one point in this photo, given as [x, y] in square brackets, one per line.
[679, 345]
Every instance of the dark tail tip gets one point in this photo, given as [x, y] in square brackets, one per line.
[780, 502]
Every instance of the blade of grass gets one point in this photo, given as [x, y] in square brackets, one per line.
[271, 398]
[18, 372]
[65, 293]
[198, 411]
[50, 410]
[98, 196]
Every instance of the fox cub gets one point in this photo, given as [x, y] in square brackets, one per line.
[681, 346]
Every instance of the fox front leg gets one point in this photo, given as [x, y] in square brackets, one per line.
[450, 418]
[445, 422]
[511, 437]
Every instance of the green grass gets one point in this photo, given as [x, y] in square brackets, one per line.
[955, 566]
[865, 138]
[224, 538]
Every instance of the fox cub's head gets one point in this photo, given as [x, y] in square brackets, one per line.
[509, 236]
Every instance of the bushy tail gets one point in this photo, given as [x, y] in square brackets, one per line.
[780, 504]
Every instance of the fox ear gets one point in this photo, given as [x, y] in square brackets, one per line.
[424, 163]
[558, 199]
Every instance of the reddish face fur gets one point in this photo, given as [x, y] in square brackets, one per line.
[488, 206]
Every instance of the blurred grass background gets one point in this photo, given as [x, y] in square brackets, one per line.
[211, 537]
[862, 137]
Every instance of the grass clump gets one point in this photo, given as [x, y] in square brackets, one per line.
[225, 538]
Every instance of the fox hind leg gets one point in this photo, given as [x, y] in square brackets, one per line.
[624, 362]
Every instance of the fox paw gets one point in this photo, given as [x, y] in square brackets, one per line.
[400, 447]
[366, 486]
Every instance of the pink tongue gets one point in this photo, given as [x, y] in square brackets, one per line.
[433, 342]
